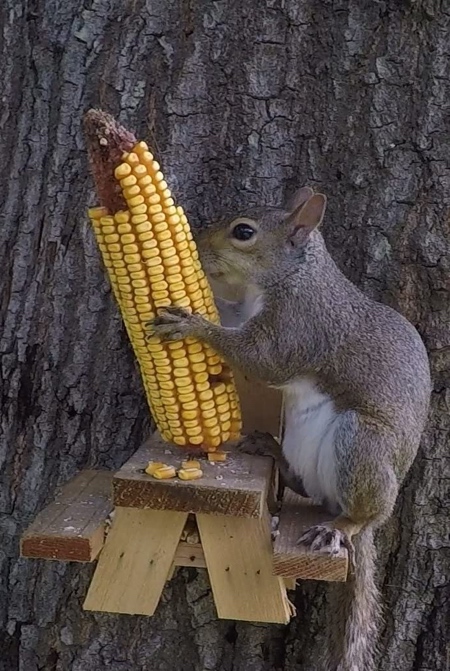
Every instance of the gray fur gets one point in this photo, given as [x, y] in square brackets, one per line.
[353, 612]
[362, 354]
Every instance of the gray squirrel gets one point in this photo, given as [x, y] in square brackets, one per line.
[356, 387]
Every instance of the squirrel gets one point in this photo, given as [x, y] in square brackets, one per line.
[356, 387]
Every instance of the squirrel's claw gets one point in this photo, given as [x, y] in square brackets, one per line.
[325, 538]
[174, 312]
[173, 323]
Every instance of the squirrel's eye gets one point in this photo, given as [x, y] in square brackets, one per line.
[243, 232]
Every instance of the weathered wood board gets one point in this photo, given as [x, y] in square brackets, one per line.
[237, 487]
[291, 560]
[72, 528]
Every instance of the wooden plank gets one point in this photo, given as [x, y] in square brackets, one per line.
[260, 405]
[293, 561]
[290, 583]
[135, 562]
[72, 528]
[189, 551]
[171, 573]
[238, 486]
[238, 555]
[188, 554]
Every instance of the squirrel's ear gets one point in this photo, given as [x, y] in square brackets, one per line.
[307, 217]
[299, 198]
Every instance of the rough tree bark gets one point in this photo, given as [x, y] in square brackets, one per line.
[244, 101]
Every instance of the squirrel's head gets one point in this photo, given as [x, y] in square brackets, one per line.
[262, 243]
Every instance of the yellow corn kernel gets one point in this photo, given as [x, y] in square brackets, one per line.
[217, 456]
[154, 466]
[195, 431]
[130, 180]
[123, 170]
[190, 463]
[190, 473]
[196, 440]
[165, 473]
[152, 261]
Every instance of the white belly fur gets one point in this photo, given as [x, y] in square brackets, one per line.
[308, 442]
[236, 313]
[253, 303]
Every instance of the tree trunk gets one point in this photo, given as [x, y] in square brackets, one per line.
[243, 101]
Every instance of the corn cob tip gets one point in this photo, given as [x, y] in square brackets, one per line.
[106, 142]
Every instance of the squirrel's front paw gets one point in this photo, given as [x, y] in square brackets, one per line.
[175, 323]
[325, 538]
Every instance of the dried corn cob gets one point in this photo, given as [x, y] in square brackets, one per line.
[152, 262]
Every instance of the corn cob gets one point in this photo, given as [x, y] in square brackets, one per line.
[152, 261]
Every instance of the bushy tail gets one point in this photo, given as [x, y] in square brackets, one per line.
[354, 613]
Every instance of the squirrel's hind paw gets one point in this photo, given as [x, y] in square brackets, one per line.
[325, 538]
